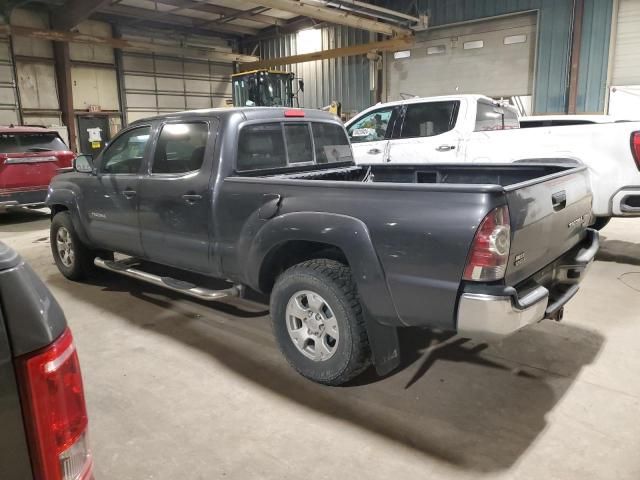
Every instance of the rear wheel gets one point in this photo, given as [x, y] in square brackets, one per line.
[318, 323]
[601, 222]
[72, 257]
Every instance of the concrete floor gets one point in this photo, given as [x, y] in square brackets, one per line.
[181, 389]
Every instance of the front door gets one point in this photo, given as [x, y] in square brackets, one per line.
[175, 198]
[427, 134]
[111, 196]
[370, 135]
[93, 133]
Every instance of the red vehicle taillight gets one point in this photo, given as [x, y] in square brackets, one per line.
[490, 249]
[55, 414]
[635, 147]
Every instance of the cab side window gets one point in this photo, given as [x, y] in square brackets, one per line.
[491, 116]
[180, 148]
[429, 119]
[126, 153]
[372, 127]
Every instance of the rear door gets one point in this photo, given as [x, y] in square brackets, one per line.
[370, 134]
[29, 160]
[111, 196]
[427, 134]
[174, 195]
[548, 218]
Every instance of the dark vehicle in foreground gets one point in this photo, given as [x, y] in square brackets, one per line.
[271, 199]
[29, 158]
[42, 407]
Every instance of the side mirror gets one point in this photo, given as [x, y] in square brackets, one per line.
[301, 85]
[83, 163]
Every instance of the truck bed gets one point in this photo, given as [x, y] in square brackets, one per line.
[491, 174]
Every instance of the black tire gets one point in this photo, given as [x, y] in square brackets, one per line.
[601, 222]
[82, 263]
[332, 281]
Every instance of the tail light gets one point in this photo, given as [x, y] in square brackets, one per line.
[490, 249]
[635, 147]
[65, 159]
[55, 415]
[294, 112]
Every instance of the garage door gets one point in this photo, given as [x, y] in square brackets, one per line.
[624, 95]
[8, 99]
[155, 84]
[494, 57]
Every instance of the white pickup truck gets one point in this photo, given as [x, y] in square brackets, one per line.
[474, 128]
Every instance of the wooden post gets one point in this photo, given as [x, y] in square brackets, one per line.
[65, 92]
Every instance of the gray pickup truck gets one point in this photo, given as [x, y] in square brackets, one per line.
[42, 407]
[270, 199]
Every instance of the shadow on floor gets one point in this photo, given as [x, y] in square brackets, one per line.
[618, 251]
[475, 406]
[23, 220]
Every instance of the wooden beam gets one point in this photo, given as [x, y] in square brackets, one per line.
[362, 49]
[129, 45]
[334, 15]
[146, 14]
[74, 12]
[224, 11]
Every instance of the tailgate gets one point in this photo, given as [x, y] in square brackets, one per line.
[25, 170]
[549, 216]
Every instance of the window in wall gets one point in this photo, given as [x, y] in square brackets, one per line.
[126, 152]
[180, 148]
[514, 39]
[436, 50]
[473, 45]
[429, 119]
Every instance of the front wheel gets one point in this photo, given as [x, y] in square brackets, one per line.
[72, 257]
[318, 323]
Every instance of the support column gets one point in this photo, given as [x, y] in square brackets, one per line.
[576, 40]
[65, 92]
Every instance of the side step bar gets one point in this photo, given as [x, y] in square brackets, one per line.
[125, 267]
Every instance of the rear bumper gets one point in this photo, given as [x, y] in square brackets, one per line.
[22, 198]
[626, 203]
[491, 311]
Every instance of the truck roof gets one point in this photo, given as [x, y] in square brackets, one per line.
[23, 129]
[250, 113]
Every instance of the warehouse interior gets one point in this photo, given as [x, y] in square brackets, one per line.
[179, 387]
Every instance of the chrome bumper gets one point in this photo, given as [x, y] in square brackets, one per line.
[624, 203]
[484, 315]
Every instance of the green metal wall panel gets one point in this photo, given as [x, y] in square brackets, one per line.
[594, 53]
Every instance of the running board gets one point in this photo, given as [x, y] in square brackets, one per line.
[125, 267]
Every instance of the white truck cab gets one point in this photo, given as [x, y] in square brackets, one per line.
[476, 129]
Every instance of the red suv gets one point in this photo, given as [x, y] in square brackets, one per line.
[29, 158]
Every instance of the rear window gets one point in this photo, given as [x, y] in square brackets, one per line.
[278, 145]
[494, 117]
[30, 142]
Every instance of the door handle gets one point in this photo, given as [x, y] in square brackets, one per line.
[374, 151]
[559, 200]
[128, 193]
[445, 148]
[192, 197]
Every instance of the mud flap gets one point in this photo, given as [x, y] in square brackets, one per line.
[385, 345]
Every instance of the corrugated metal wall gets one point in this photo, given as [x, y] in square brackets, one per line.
[344, 79]
[554, 43]
[596, 33]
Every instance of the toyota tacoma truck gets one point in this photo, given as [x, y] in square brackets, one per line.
[476, 129]
[29, 158]
[270, 199]
[42, 407]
